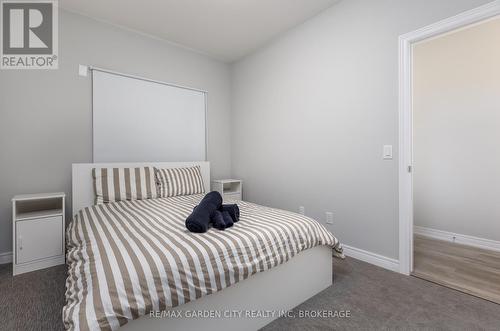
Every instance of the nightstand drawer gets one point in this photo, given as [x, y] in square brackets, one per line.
[38, 238]
[232, 196]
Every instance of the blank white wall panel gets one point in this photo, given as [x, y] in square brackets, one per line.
[140, 120]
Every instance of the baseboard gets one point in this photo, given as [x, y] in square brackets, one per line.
[39, 264]
[458, 238]
[372, 258]
[360, 254]
[5, 257]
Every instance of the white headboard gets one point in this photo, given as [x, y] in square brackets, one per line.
[83, 183]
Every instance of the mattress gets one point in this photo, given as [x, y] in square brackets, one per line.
[128, 258]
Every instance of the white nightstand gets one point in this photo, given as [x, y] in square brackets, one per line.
[230, 189]
[38, 231]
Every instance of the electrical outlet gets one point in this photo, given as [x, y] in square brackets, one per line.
[329, 217]
[302, 210]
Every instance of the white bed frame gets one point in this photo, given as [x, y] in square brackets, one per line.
[277, 290]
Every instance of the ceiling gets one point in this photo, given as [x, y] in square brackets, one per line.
[224, 29]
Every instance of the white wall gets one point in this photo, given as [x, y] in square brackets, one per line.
[45, 115]
[312, 110]
[457, 132]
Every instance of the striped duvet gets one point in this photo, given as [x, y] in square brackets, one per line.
[128, 258]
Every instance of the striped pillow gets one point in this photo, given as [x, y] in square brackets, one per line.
[179, 181]
[117, 184]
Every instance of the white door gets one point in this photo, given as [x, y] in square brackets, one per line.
[38, 239]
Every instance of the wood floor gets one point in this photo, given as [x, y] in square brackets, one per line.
[468, 269]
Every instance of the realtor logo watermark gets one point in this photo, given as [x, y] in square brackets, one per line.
[29, 34]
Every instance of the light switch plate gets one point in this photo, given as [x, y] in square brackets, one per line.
[387, 152]
[83, 70]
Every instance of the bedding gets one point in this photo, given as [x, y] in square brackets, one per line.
[179, 181]
[117, 184]
[128, 258]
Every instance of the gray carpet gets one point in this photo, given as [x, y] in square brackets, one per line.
[379, 300]
[32, 301]
[376, 298]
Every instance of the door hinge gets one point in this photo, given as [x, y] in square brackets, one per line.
[410, 168]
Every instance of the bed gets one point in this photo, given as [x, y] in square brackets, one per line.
[132, 265]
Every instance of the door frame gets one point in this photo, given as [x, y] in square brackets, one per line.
[406, 43]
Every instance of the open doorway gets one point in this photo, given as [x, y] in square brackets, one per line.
[456, 159]
[472, 242]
